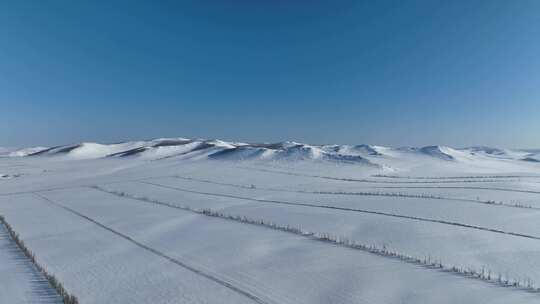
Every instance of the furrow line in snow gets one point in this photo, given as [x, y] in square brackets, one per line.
[173, 260]
[322, 206]
[387, 194]
[482, 275]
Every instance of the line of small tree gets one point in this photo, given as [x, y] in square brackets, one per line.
[515, 204]
[426, 196]
[451, 177]
[67, 298]
[482, 274]
[364, 193]
[379, 193]
[367, 193]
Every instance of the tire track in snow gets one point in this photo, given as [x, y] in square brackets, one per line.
[322, 206]
[366, 193]
[176, 261]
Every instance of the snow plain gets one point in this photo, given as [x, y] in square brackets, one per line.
[208, 221]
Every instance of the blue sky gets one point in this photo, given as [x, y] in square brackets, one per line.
[395, 73]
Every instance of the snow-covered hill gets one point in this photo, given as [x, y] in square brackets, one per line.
[375, 156]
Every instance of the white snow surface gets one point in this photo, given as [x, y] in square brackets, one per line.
[141, 236]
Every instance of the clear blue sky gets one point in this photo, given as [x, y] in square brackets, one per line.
[382, 72]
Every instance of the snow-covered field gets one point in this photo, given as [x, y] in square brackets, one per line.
[208, 221]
